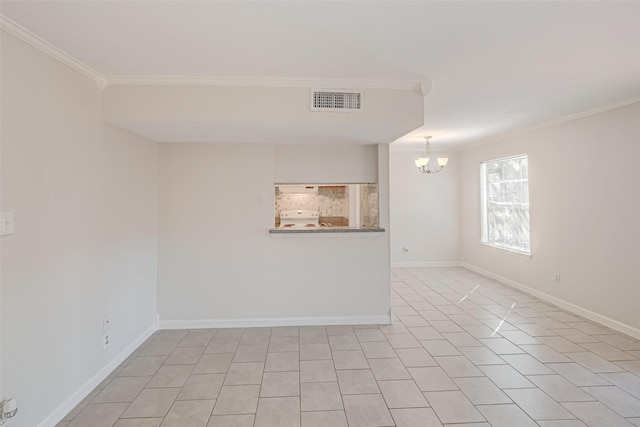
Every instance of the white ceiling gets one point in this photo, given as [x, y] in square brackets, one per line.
[496, 67]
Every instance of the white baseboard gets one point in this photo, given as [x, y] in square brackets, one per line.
[426, 264]
[576, 309]
[282, 321]
[77, 397]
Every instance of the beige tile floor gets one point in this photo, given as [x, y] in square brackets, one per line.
[463, 351]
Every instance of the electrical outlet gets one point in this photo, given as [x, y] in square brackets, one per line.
[106, 340]
[557, 277]
[106, 323]
[6, 223]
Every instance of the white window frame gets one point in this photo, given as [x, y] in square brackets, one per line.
[484, 207]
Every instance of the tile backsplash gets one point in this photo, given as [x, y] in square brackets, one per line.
[369, 205]
[331, 201]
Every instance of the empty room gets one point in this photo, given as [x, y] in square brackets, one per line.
[319, 213]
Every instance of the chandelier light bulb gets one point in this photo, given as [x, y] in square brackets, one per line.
[422, 161]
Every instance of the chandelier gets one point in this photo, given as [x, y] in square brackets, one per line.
[426, 164]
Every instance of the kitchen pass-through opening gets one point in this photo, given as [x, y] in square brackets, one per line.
[326, 205]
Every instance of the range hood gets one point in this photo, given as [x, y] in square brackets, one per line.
[297, 189]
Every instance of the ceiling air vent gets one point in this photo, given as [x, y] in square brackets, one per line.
[336, 100]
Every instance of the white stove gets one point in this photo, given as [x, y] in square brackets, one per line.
[299, 218]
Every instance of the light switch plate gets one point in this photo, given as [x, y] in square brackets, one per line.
[6, 223]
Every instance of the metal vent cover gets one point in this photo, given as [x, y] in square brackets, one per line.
[336, 100]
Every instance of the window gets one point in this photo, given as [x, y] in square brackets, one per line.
[505, 203]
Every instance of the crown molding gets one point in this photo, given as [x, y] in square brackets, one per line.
[415, 147]
[553, 122]
[18, 31]
[262, 82]
[593, 111]
[457, 147]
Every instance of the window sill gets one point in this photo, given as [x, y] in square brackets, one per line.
[507, 251]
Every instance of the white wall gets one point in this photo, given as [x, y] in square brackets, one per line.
[584, 184]
[218, 265]
[322, 164]
[276, 115]
[425, 215]
[1, 393]
[84, 195]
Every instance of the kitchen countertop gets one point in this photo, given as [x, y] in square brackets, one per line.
[292, 230]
